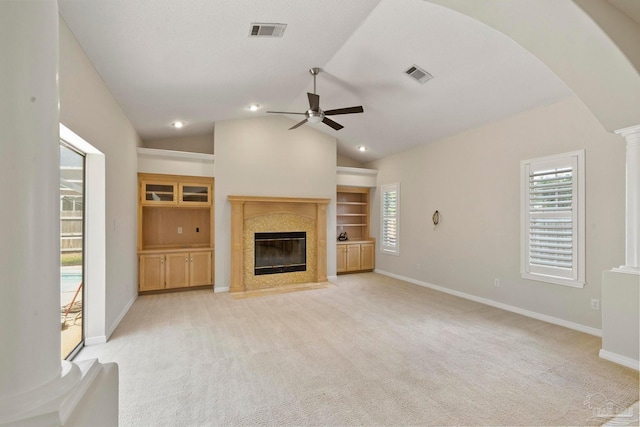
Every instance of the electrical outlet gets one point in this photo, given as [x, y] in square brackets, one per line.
[418, 266]
[179, 230]
[595, 304]
[197, 229]
[496, 283]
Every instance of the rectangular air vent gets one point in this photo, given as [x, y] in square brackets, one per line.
[418, 74]
[266, 30]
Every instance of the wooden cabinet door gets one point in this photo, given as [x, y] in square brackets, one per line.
[195, 194]
[353, 257]
[367, 254]
[177, 270]
[159, 193]
[341, 261]
[151, 272]
[200, 271]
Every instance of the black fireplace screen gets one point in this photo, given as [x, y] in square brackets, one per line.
[280, 252]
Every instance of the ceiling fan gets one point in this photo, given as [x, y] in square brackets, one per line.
[314, 114]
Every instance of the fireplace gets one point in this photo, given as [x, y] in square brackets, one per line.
[282, 252]
[251, 215]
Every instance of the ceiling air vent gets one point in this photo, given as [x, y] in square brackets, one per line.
[266, 30]
[418, 74]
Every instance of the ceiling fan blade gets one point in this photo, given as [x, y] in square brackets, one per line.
[348, 110]
[314, 101]
[298, 124]
[283, 112]
[329, 122]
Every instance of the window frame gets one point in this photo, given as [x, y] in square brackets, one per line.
[384, 248]
[575, 276]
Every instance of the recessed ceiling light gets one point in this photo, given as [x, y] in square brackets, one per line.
[177, 124]
[254, 107]
[362, 148]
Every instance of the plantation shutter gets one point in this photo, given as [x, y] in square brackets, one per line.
[390, 223]
[552, 218]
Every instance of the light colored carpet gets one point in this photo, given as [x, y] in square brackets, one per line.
[370, 351]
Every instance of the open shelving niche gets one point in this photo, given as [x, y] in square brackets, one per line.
[352, 212]
[352, 216]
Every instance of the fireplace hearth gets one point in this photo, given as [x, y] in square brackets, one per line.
[283, 252]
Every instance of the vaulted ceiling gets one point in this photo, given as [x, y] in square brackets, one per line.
[193, 60]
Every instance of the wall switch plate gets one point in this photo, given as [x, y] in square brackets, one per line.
[595, 304]
[496, 283]
[179, 230]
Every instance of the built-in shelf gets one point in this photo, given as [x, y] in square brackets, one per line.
[175, 232]
[352, 212]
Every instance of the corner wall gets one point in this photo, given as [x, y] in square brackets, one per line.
[472, 179]
[88, 108]
[261, 157]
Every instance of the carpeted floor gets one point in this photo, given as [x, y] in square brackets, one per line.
[370, 351]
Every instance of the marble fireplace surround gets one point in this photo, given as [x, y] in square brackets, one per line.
[250, 214]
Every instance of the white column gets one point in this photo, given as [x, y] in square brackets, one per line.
[632, 214]
[34, 382]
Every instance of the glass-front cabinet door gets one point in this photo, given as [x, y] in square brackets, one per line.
[159, 193]
[195, 194]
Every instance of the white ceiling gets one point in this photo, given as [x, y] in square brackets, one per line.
[192, 60]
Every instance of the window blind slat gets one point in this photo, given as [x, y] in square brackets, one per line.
[553, 171]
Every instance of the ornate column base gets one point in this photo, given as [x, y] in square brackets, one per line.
[84, 391]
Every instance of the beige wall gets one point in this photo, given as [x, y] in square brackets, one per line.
[88, 108]
[348, 162]
[261, 157]
[193, 144]
[473, 180]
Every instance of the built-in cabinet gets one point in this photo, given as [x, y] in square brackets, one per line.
[173, 270]
[352, 218]
[355, 257]
[175, 232]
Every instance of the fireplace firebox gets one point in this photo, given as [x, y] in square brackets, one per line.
[282, 252]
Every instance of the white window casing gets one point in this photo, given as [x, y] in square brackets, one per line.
[390, 219]
[553, 219]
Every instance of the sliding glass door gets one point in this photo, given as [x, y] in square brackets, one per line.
[72, 165]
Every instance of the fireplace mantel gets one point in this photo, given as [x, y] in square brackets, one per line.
[246, 208]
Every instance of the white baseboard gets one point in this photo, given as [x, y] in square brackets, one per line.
[121, 316]
[217, 289]
[619, 359]
[535, 315]
[95, 340]
[330, 278]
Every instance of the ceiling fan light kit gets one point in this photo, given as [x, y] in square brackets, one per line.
[314, 114]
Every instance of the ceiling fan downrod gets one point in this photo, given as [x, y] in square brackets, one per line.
[314, 72]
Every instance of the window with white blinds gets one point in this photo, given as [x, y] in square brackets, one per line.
[553, 219]
[390, 221]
